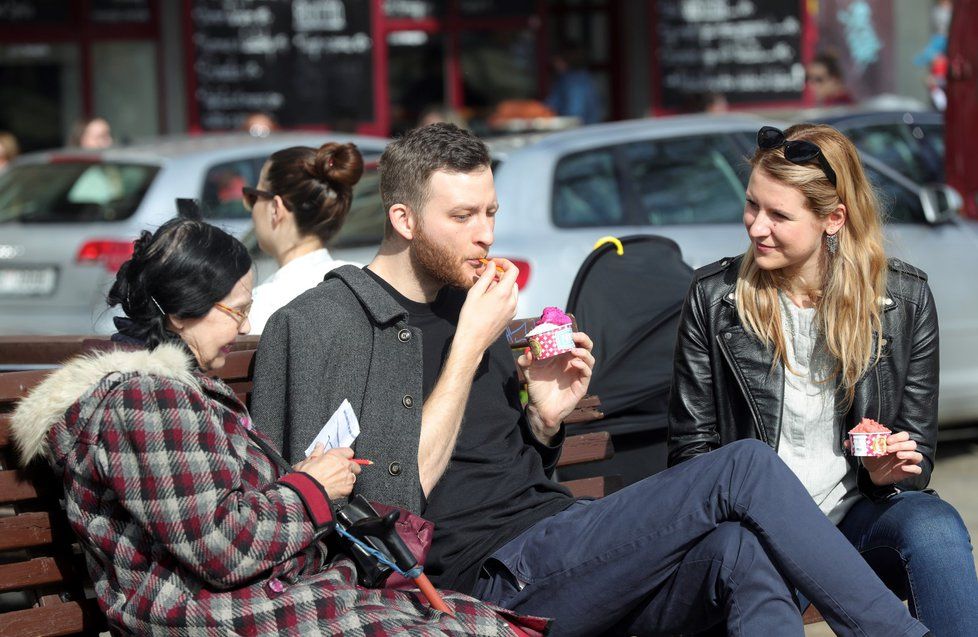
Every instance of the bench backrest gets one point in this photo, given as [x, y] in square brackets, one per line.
[44, 585]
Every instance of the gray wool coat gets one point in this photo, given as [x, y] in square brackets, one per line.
[345, 339]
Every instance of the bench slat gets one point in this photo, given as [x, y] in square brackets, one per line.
[583, 415]
[13, 385]
[16, 487]
[36, 572]
[812, 616]
[25, 530]
[5, 440]
[54, 620]
[597, 487]
[586, 448]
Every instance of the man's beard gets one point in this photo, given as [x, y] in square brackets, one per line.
[439, 263]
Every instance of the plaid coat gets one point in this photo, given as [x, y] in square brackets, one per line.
[188, 528]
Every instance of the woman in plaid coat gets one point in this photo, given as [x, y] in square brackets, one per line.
[188, 527]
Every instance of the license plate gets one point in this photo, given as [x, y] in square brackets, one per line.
[27, 281]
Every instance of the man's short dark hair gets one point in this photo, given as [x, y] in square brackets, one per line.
[408, 163]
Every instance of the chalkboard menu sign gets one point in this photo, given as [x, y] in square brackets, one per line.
[121, 11]
[414, 9]
[749, 51]
[305, 62]
[34, 11]
[496, 8]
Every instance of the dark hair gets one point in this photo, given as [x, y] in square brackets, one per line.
[408, 163]
[183, 269]
[831, 63]
[316, 185]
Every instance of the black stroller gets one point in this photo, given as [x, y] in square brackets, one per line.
[629, 304]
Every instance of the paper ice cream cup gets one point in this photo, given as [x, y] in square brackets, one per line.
[552, 342]
[871, 444]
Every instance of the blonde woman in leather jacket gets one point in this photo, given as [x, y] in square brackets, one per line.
[802, 336]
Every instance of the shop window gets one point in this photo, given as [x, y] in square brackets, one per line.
[416, 76]
[40, 92]
[498, 65]
[124, 87]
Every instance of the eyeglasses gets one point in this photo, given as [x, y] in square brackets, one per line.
[250, 195]
[796, 151]
[239, 315]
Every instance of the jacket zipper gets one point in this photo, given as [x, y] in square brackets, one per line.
[761, 435]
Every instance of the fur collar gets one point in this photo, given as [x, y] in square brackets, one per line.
[46, 404]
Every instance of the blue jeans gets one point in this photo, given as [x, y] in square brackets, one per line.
[721, 538]
[920, 548]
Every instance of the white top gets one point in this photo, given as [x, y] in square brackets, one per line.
[288, 282]
[810, 432]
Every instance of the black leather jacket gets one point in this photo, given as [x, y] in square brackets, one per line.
[724, 387]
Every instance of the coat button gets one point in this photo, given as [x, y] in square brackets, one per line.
[407, 401]
[727, 335]
[394, 468]
[404, 335]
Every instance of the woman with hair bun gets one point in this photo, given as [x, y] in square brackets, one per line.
[803, 336]
[189, 521]
[301, 201]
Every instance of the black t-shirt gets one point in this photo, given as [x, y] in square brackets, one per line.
[496, 484]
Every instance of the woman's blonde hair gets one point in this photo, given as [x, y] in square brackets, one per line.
[847, 298]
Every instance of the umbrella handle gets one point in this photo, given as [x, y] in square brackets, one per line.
[433, 597]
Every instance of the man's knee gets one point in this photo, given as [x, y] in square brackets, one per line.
[730, 543]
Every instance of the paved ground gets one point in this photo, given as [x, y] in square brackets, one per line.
[955, 478]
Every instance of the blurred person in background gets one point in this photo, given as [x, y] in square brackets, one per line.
[189, 520]
[574, 93]
[259, 124]
[301, 201]
[94, 133]
[824, 78]
[807, 333]
[9, 149]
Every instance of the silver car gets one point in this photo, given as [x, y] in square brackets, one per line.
[68, 217]
[684, 178]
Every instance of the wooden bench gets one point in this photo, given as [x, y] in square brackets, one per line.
[45, 590]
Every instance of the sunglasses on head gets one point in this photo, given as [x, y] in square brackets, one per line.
[797, 151]
[250, 195]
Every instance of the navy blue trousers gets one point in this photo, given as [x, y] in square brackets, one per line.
[724, 538]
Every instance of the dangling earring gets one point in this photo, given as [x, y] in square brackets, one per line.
[832, 243]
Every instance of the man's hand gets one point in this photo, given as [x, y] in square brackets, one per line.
[901, 461]
[489, 307]
[556, 385]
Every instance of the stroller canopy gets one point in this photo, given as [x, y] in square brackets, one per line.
[629, 305]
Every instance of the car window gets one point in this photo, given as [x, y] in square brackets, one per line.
[220, 197]
[898, 204]
[896, 147]
[73, 192]
[687, 180]
[931, 134]
[364, 224]
[586, 191]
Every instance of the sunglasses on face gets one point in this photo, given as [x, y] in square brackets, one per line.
[250, 195]
[797, 151]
